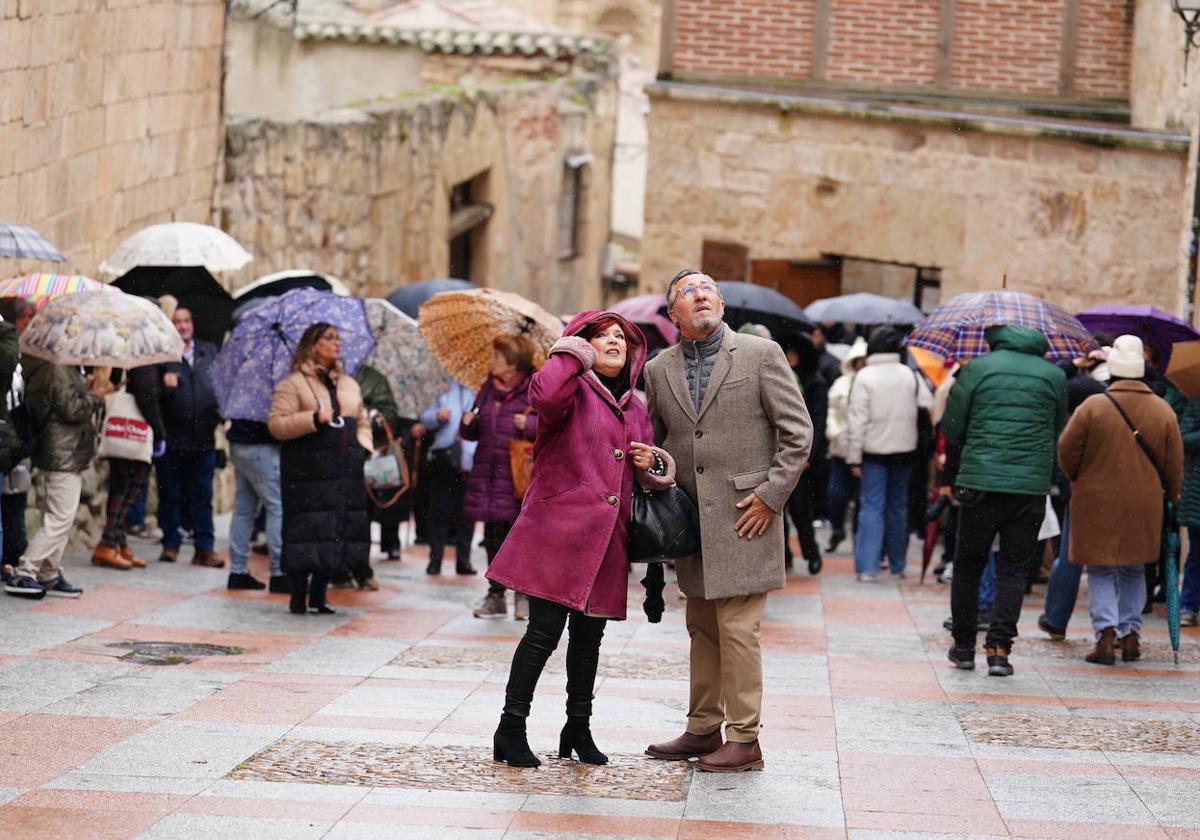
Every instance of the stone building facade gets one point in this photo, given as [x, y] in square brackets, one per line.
[369, 194]
[823, 146]
[110, 119]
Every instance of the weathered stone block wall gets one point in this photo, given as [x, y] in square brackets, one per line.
[1078, 223]
[364, 194]
[109, 118]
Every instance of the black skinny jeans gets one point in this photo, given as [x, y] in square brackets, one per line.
[801, 507]
[546, 622]
[1017, 518]
[494, 535]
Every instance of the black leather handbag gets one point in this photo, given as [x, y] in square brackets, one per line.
[665, 525]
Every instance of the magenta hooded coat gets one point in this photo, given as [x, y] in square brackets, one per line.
[569, 543]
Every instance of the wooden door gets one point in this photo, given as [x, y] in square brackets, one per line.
[724, 260]
[802, 281]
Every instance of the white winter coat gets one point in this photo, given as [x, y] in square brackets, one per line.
[882, 412]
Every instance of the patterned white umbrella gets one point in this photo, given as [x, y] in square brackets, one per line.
[178, 244]
[102, 329]
[403, 356]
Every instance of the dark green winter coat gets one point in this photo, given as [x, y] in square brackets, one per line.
[63, 409]
[1004, 412]
[1189, 426]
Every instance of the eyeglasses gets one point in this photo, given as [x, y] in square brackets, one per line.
[707, 288]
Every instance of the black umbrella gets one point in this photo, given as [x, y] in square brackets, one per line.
[408, 299]
[195, 289]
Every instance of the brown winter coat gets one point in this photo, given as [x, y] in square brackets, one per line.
[752, 434]
[1116, 495]
[295, 400]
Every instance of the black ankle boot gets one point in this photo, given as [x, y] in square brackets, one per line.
[577, 736]
[297, 602]
[511, 745]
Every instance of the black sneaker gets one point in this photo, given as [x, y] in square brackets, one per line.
[281, 584]
[23, 586]
[59, 588]
[998, 665]
[237, 580]
[963, 658]
[1056, 634]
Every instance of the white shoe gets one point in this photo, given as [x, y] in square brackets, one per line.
[863, 577]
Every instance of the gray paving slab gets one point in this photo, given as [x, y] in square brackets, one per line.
[599, 806]
[339, 656]
[193, 826]
[244, 615]
[30, 685]
[377, 700]
[793, 791]
[147, 692]
[350, 830]
[8, 794]
[38, 631]
[359, 735]
[286, 791]
[122, 783]
[1173, 802]
[874, 834]
[475, 800]
[898, 721]
[199, 750]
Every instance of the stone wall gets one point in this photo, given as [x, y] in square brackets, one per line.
[1079, 222]
[109, 118]
[364, 194]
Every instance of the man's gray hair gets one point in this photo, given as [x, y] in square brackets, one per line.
[687, 272]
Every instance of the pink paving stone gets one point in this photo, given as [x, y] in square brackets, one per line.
[111, 602]
[101, 800]
[390, 724]
[1085, 830]
[23, 823]
[931, 823]
[46, 746]
[596, 825]
[238, 806]
[1131, 771]
[718, 830]
[1015, 699]
[428, 816]
[791, 638]
[866, 611]
[266, 701]
[1056, 768]
[397, 624]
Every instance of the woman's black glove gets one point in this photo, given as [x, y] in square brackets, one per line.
[654, 605]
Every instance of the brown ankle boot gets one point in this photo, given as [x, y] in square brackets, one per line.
[208, 557]
[131, 558]
[109, 557]
[687, 746]
[1105, 651]
[1131, 647]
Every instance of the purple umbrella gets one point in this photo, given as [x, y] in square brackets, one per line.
[1153, 326]
[258, 355]
[643, 310]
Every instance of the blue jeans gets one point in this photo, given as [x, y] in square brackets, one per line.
[882, 517]
[987, 585]
[1063, 588]
[1189, 599]
[1116, 595]
[256, 471]
[193, 470]
[843, 487]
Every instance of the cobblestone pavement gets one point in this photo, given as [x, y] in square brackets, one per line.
[376, 722]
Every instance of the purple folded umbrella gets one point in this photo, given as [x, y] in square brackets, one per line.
[259, 352]
[1153, 326]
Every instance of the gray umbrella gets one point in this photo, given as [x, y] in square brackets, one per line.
[25, 243]
[864, 308]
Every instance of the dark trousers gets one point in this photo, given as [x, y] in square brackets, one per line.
[1017, 518]
[12, 509]
[389, 519]
[313, 584]
[800, 506]
[818, 475]
[125, 480]
[546, 622]
[842, 489]
[447, 490]
[494, 534]
[186, 478]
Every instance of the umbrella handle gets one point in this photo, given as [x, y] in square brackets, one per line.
[337, 422]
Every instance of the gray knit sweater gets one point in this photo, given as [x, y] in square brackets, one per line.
[698, 359]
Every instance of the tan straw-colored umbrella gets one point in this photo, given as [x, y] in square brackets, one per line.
[1184, 369]
[460, 327]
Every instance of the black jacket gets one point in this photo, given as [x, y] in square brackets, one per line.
[190, 409]
[142, 384]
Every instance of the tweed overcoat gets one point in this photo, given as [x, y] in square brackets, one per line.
[752, 434]
[1116, 496]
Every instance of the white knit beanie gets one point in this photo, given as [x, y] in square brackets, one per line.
[1127, 359]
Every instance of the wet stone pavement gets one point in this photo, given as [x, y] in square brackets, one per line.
[119, 721]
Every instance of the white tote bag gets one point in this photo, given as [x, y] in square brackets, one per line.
[125, 433]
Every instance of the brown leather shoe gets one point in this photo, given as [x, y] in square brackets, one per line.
[208, 557]
[686, 746]
[1105, 651]
[734, 757]
[169, 555]
[110, 558]
[131, 558]
[1131, 647]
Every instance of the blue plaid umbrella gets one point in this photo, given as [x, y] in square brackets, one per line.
[955, 330]
[258, 355]
[25, 243]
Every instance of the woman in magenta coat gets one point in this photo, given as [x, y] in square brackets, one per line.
[567, 549]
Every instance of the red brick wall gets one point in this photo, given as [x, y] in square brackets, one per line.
[884, 42]
[1104, 46]
[762, 38]
[1008, 46]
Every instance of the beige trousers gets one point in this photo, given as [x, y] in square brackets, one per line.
[43, 557]
[726, 666]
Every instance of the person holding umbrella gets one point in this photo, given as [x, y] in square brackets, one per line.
[318, 414]
[1123, 454]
